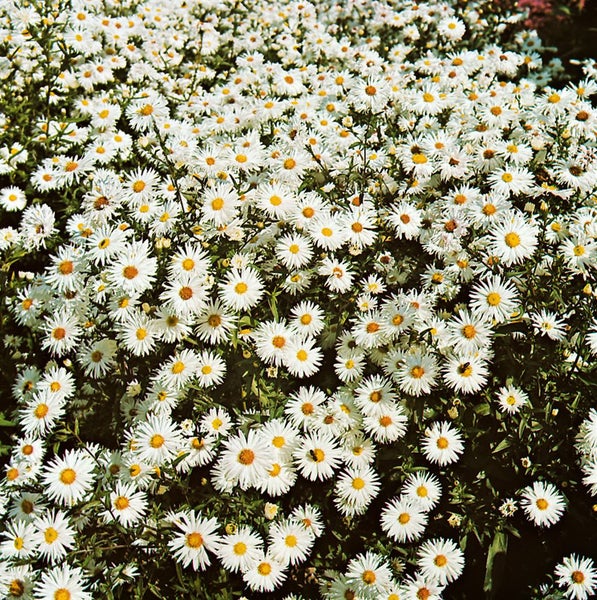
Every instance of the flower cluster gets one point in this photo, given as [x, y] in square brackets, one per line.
[321, 255]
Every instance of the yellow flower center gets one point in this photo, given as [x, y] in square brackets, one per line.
[318, 455]
[469, 332]
[512, 239]
[217, 203]
[403, 518]
[68, 476]
[279, 341]
[194, 540]
[493, 299]
[442, 443]
[264, 569]
[239, 548]
[577, 576]
[291, 541]
[440, 560]
[16, 588]
[302, 355]
[157, 440]
[121, 503]
[542, 503]
[278, 441]
[62, 594]
[50, 535]
[41, 410]
[417, 372]
[368, 577]
[241, 287]
[130, 272]
[358, 483]
[178, 367]
[246, 456]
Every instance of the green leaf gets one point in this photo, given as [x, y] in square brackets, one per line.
[495, 562]
[505, 443]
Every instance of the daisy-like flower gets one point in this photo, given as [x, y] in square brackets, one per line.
[271, 342]
[442, 444]
[543, 504]
[511, 399]
[441, 560]
[406, 220]
[133, 270]
[307, 319]
[418, 586]
[265, 574]
[302, 405]
[513, 241]
[214, 323]
[338, 275]
[138, 333]
[494, 299]
[423, 489]
[577, 576]
[466, 374]
[62, 331]
[12, 199]
[57, 383]
[53, 535]
[245, 459]
[468, 333]
[186, 295]
[16, 582]
[303, 357]
[63, 583]
[220, 204]
[387, 425]
[549, 324]
[216, 421]
[369, 574]
[157, 440]
[97, 358]
[317, 456]
[403, 520]
[40, 414]
[69, 479]
[294, 250]
[416, 372]
[374, 395]
[290, 542]
[242, 289]
[355, 489]
[196, 536]
[18, 542]
[179, 369]
[211, 369]
[127, 505]
[241, 550]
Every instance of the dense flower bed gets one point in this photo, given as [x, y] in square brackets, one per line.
[298, 300]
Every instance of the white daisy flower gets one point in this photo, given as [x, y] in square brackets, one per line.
[69, 479]
[196, 536]
[577, 576]
[403, 520]
[63, 583]
[542, 503]
[441, 560]
[442, 444]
